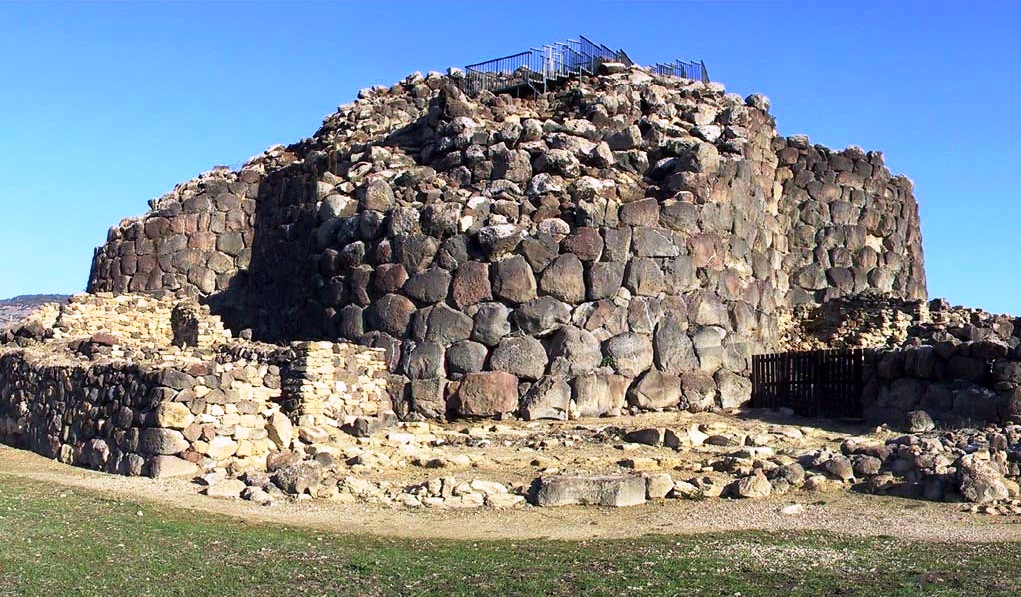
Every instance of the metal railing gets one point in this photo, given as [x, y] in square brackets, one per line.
[685, 69]
[538, 69]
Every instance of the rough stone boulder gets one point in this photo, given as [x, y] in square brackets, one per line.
[980, 481]
[298, 478]
[613, 491]
[548, 398]
[487, 394]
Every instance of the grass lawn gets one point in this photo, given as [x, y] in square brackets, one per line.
[55, 541]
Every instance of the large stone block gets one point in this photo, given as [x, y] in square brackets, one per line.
[600, 393]
[487, 394]
[564, 279]
[513, 280]
[522, 356]
[656, 390]
[631, 353]
[471, 284]
[155, 440]
[548, 398]
[161, 467]
[615, 491]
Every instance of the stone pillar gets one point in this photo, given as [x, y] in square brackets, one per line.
[308, 383]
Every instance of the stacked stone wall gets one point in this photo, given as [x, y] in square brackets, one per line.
[133, 320]
[954, 383]
[626, 243]
[133, 419]
[853, 226]
[195, 240]
[150, 406]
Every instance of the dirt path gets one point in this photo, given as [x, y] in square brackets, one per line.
[841, 512]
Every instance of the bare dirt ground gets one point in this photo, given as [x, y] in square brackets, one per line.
[840, 511]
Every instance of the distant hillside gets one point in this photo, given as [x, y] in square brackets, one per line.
[13, 309]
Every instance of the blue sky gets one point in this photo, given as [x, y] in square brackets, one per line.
[104, 106]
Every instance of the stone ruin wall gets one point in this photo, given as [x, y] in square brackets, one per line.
[98, 391]
[195, 239]
[927, 361]
[853, 227]
[626, 243]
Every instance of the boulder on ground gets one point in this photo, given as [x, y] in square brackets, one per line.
[980, 481]
[613, 491]
[171, 466]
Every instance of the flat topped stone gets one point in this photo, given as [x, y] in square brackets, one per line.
[616, 491]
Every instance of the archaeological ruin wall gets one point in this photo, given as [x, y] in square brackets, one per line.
[853, 227]
[625, 243]
[133, 384]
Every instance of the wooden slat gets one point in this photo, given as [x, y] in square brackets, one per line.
[820, 383]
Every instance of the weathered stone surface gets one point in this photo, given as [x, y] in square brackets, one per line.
[650, 436]
[429, 286]
[466, 357]
[221, 448]
[600, 393]
[491, 323]
[226, 489]
[548, 398]
[280, 430]
[674, 352]
[542, 316]
[652, 242]
[471, 284]
[173, 415]
[428, 397]
[171, 466]
[616, 491]
[980, 482]
[585, 243]
[376, 195]
[699, 391]
[631, 354]
[390, 314]
[574, 351]
[564, 279]
[919, 421]
[447, 325]
[425, 360]
[656, 390]
[753, 486]
[162, 441]
[522, 356]
[604, 280]
[499, 240]
[298, 478]
[513, 280]
[644, 277]
[487, 394]
[735, 390]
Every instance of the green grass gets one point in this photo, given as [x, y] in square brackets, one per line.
[83, 544]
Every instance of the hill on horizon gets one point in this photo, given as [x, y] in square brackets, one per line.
[15, 308]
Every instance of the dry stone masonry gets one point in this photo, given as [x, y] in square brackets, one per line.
[622, 244]
[136, 384]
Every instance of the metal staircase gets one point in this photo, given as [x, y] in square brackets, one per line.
[538, 70]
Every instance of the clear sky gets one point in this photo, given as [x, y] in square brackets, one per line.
[104, 106]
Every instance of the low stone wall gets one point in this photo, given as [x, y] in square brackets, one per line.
[956, 383]
[143, 385]
[134, 419]
[330, 382]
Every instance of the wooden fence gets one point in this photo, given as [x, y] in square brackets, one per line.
[817, 383]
